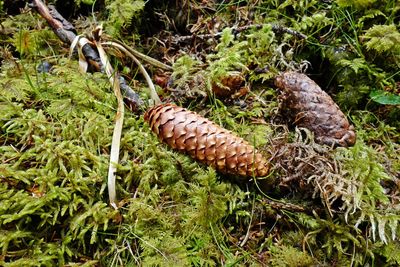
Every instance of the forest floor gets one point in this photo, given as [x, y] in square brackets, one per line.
[319, 205]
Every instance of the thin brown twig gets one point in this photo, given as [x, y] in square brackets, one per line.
[276, 28]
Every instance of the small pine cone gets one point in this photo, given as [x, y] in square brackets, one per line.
[229, 84]
[310, 107]
[205, 141]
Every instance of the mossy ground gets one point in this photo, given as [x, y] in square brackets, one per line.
[56, 130]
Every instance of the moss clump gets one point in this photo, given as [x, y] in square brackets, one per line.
[289, 256]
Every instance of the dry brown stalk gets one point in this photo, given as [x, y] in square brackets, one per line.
[310, 107]
[205, 141]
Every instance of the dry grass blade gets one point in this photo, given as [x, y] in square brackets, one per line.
[83, 64]
[79, 42]
[116, 140]
[119, 119]
[153, 93]
[144, 57]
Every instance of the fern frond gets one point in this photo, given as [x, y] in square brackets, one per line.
[356, 64]
[121, 14]
[383, 38]
[359, 4]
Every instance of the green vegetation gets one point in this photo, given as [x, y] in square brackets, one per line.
[56, 131]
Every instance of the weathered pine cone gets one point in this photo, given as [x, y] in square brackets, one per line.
[229, 85]
[310, 107]
[205, 141]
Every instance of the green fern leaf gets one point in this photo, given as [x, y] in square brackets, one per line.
[383, 38]
[121, 14]
[359, 4]
[356, 64]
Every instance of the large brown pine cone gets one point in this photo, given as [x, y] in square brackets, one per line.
[205, 141]
[310, 107]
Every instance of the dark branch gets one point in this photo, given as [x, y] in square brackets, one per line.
[67, 33]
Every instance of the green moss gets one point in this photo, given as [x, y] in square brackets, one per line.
[55, 136]
[289, 256]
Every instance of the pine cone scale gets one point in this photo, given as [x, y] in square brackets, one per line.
[200, 154]
[168, 129]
